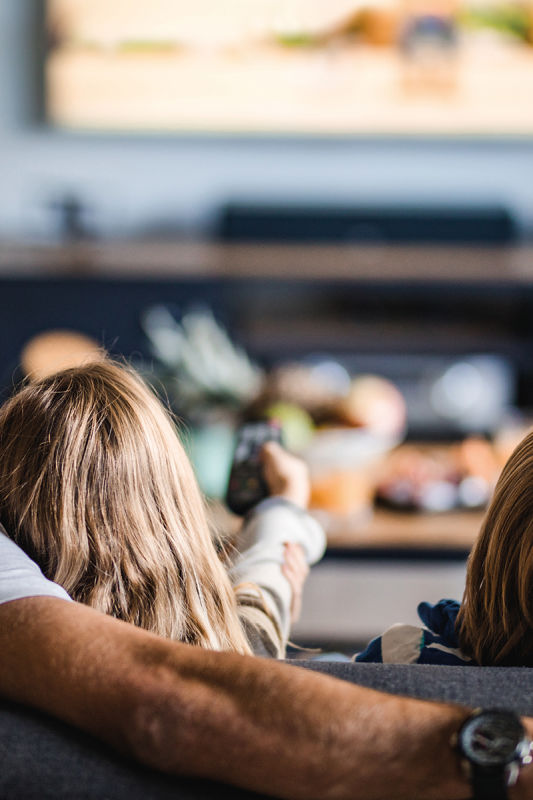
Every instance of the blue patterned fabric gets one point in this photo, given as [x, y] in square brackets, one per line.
[435, 643]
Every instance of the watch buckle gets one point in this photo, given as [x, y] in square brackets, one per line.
[512, 770]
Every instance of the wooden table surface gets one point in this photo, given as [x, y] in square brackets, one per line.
[388, 530]
[455, 530]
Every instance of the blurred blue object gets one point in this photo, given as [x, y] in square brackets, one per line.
[210, 447]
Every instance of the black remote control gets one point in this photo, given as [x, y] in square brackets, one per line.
[247, 486]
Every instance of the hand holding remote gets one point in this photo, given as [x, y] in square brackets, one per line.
[285, 475]
[262, 468]
[247, 485]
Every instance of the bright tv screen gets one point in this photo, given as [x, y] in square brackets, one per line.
[317, 67]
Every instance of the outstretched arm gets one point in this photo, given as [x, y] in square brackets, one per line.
[251, 722]
[279, 539]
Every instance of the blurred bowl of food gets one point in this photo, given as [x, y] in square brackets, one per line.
[342, 426]
[344, 464]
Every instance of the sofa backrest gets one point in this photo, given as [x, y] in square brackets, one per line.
[496, 687]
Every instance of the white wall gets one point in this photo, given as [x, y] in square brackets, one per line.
[132, 182]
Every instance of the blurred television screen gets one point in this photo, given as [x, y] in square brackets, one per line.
[316, 67]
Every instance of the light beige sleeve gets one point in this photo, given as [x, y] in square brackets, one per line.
[260, 552]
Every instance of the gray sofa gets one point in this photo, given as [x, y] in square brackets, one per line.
[41, 758]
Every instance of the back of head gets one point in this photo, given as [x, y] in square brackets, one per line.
[96, 487]
[495, 623]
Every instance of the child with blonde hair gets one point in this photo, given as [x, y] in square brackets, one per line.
[96, 487]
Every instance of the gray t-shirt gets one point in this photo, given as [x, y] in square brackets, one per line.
[20, 576]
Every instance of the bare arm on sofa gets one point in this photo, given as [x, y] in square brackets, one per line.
[246, 721]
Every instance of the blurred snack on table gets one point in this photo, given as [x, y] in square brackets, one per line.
[438, 478]
[332, 397]
[317, 388]
[374, 403]
[297, 424]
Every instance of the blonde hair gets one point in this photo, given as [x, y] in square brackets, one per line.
[495, 622]
[96, 487]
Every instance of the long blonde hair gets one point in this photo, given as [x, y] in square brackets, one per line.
[96, 487]
[495, 622]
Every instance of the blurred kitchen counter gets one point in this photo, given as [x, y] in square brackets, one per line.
[193, 258]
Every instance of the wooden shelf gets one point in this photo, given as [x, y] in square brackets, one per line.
[164, 258]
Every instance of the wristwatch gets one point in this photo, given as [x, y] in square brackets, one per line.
[494, 746]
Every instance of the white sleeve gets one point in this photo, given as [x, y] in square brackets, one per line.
[20, 576]
[260, 552]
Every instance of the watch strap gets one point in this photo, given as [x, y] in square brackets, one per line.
[489, 784]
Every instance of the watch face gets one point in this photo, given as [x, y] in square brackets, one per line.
[492, 738]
